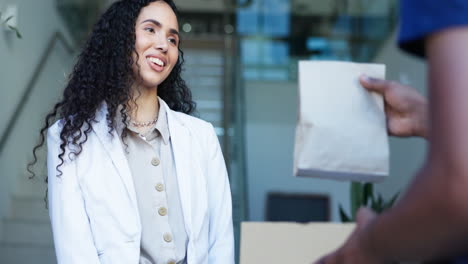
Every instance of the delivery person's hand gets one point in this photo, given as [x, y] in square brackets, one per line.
[405, 108]
[357, 249]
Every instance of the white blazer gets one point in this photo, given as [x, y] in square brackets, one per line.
[93, 206]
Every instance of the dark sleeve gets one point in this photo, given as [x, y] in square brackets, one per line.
[420, 18]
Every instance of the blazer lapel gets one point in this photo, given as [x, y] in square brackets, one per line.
[180, 140]
[192, 186]
[113, 147]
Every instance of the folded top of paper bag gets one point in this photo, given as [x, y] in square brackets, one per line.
[341, 131]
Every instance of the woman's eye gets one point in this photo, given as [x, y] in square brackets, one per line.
[173, 41]
[149, 29]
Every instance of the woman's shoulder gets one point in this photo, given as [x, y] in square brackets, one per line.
[201, 130]
[193, 122]
[53, 132]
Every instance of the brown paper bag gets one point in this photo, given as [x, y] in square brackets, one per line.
[341, 131]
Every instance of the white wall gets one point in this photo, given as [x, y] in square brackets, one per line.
[271, 117]
[37, 21]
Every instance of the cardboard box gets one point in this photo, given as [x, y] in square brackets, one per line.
[285, 242]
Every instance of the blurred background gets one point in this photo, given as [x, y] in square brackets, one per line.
[241, 64]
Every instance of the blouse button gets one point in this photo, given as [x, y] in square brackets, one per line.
[167, 237]
[162, 211]
[159, 187]
[155, 161]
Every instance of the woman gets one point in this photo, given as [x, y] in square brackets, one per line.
[131, 177]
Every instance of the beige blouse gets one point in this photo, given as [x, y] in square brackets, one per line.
[150, 157]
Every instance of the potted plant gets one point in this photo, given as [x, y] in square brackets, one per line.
[362, 194]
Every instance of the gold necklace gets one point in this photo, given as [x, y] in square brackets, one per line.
[144, 124]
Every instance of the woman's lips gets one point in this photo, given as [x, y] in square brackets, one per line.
[154, 66]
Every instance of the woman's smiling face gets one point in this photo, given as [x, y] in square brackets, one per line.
[157, 41]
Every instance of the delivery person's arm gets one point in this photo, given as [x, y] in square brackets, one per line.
[431, 218]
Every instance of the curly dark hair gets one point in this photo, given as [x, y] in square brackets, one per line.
[104, 73]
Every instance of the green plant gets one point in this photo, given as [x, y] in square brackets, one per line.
[4, 23]
[362, 194]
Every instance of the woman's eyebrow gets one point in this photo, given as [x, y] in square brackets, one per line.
[158, 24]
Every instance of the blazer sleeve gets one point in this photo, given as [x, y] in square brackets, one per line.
[221, 238]
[70, 224]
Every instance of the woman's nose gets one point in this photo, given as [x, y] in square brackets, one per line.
[160, 42]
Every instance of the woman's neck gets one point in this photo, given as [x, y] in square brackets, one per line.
[145, 105]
